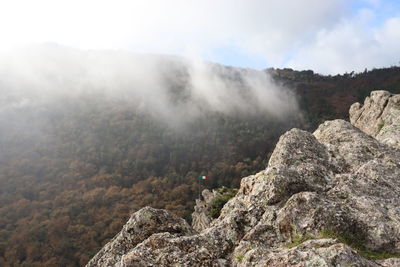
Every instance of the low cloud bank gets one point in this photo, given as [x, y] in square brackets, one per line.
[170, 88]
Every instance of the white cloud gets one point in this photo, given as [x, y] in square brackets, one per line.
[322, 35]
[352, 45]
[267, 28]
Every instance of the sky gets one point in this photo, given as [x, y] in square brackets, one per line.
[327, 36]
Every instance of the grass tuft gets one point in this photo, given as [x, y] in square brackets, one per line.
[355, 244]
[239, 257]
[298, 239]
[380, 125]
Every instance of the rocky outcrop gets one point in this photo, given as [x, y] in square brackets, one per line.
[201, 218]
[379, 117]
[319, 252]
[142, 224]
[330, 198]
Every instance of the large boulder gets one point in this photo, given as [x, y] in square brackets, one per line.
[139, 227]
[379, 117]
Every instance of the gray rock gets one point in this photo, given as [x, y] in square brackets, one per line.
[201, 218]
[318, 253]
[164, 249]
[379, 117]
[140, 226]
[389, 262]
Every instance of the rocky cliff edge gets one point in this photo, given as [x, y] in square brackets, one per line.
[330, 198]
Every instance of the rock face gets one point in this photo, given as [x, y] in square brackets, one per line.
[330, 198]
[201, 218]
[379, 117]
[140, 226]
[319, 252]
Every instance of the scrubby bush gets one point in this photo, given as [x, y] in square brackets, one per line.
[219, 202]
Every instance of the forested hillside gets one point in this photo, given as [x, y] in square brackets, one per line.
[327, 97]
[64, 196]
[72, 170]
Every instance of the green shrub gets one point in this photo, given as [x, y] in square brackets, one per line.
[218, 203]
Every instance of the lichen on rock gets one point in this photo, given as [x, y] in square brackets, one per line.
[201, 218]
[142, 224]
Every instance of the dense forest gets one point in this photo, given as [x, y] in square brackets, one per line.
[64, 196]
[326, 97]
[71, 173]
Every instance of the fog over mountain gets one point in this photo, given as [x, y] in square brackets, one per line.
[171, 88]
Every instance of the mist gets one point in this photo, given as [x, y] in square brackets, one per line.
[171, 89]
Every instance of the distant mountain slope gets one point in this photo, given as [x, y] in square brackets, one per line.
[329, 97]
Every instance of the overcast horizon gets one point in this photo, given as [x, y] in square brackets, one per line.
[329, 37]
